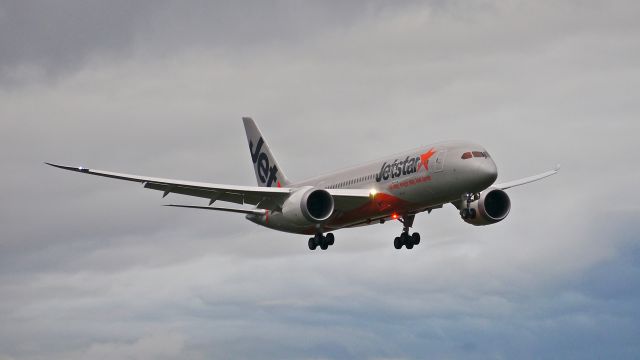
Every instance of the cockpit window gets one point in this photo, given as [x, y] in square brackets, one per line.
[477, 154]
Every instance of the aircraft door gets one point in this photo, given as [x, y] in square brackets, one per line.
[439, 160]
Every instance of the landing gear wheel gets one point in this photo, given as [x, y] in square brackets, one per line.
[415, 237]
[330, 239]
[407, 240]
[467, 212]
[321, 241]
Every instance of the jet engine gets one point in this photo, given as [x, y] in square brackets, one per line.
[308, 205]
[492, 206]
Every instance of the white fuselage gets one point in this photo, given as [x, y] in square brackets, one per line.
[402, 184]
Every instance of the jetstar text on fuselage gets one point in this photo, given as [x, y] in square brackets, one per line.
[407, 166]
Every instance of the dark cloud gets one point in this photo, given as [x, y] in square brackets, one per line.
[54, 37]
[93, 268]
[43, 38]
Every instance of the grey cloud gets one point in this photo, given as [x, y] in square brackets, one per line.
[44, 39]
[92, 267]
[60, 36]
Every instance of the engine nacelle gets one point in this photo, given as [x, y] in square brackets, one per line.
[492, 206]
[308, 205]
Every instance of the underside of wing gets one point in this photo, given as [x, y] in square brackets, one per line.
[216, 208]
[530, 179]
[347, 199]
[262, 197]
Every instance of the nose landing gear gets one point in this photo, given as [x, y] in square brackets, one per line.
[466, 212]
[322, 241]
[405, 239]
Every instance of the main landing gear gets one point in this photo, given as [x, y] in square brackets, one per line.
[321, 240]
[405, 239]
[466, 212]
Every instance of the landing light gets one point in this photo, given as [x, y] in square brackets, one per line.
[373, 192]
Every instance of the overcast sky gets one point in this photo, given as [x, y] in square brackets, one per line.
[92, 268]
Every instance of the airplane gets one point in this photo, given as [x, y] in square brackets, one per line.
[396, 187]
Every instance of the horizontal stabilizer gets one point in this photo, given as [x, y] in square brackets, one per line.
[241, 211]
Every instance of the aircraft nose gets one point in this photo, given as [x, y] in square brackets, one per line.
[485, 173]
[488, 171]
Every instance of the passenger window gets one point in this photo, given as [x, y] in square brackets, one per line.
[466, 155]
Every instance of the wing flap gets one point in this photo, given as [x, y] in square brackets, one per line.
[234, 197]
[217, 208]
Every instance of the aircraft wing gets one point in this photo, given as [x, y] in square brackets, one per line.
[347, 199]
[530, 179]
[269, 198]
[263, 197]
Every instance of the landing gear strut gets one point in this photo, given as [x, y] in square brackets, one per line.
[405, 239]
[321, 240]
[466, 211]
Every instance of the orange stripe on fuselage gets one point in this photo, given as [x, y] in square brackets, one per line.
[381, 205]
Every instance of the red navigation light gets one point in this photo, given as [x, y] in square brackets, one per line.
[394, 216]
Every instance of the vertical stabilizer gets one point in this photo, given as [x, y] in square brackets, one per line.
[268, 171]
